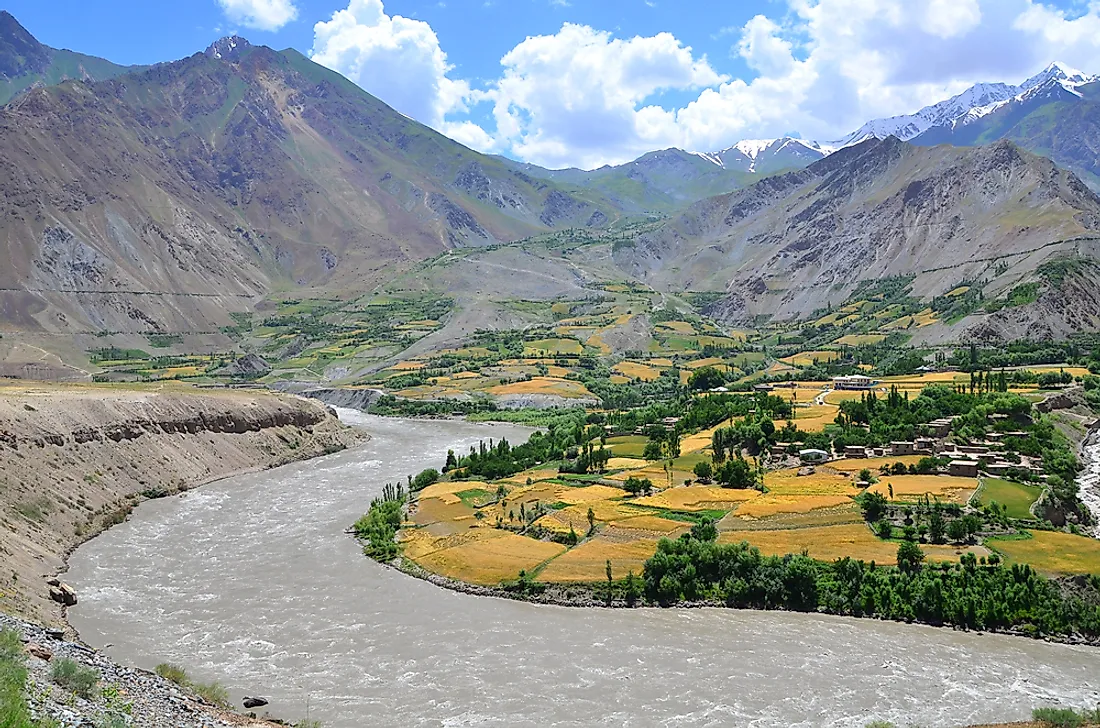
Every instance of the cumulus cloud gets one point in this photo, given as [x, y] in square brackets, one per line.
[578, 96]
[397, 59]
[260, 14]
[583, 97]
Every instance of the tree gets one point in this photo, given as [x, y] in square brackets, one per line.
[636, 486]
[936, 527]
[591, 520]
[705, 379]
[632, 589]
[956, 530]
[705, 530]
[424, 479]
[610, 583]
[737, 473]
[867, 476]
[873, 504]
[910, 557]
[704, 471]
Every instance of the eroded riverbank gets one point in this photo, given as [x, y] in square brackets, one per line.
[75, 459]
[253, 582]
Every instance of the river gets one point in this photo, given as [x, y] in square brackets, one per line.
[1088, 482]
[251, 581]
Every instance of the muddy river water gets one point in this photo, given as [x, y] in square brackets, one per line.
[252, 582]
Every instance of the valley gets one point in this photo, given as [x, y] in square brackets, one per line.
[433, 393]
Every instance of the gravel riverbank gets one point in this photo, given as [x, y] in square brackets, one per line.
[143, 698]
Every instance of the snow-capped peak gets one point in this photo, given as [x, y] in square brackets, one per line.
[1060, 72]
[748, 154]
[975, 102]
[226, 47]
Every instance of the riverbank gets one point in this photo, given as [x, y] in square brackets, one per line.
[595, 596]
[76, 459]
[145, 699]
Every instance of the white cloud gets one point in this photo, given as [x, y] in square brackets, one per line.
[397, 59]
[260, 14]
[578, 96]
[583, 97]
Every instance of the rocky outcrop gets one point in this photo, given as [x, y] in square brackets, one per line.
[360, 399]
[75, 460]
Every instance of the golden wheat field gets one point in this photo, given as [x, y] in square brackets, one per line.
[772, 505]
[634, 370]
[697, 498]
[807, 358]
[490, 558]
[914, 487]
[543, 385]
[828, 543]
[1053, 552]
[821, 482]
[591, 493]
[588, 561]
[854, 465]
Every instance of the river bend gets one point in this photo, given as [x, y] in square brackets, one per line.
[252, 582]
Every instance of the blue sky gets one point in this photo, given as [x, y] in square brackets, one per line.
[586, 82]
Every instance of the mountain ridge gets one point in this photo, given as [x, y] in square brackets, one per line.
[25, 63]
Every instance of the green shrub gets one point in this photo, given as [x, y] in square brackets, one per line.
[1059, 717]
[212, 693]
[72, 676]
[172, 673]
[13, 677]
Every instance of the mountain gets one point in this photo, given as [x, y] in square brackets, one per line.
[165, 200]
[972, 104]
[666, 181]
[1055, 116]
[25, 63]
[657, 182]
[767, 156]
[798, 242]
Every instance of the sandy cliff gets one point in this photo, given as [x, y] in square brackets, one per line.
[75, 459]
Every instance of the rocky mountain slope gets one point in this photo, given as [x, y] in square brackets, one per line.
[167, 199]
[802, 241]
[74, 460]
[25, 63]
[1054, 120]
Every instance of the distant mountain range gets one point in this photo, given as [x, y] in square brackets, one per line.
[25, 63]
[169, 198]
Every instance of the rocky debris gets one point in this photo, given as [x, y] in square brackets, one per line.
[249, 365]
[63, 594]
[542, 401]
[360, 399]
[148, 699]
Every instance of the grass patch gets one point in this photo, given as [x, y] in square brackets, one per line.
[475, 497]
[1052, 552]
[74, 677]
[1016, 497]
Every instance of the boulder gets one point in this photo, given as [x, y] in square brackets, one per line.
[250, 703]
[63, 594]
[36, 650]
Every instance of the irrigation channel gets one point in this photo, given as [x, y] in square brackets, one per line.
[252, 582]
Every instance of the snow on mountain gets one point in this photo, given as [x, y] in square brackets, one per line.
[760, 155]
[977, 101]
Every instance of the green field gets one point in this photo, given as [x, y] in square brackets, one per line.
[1016, 497]
[628, 446]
